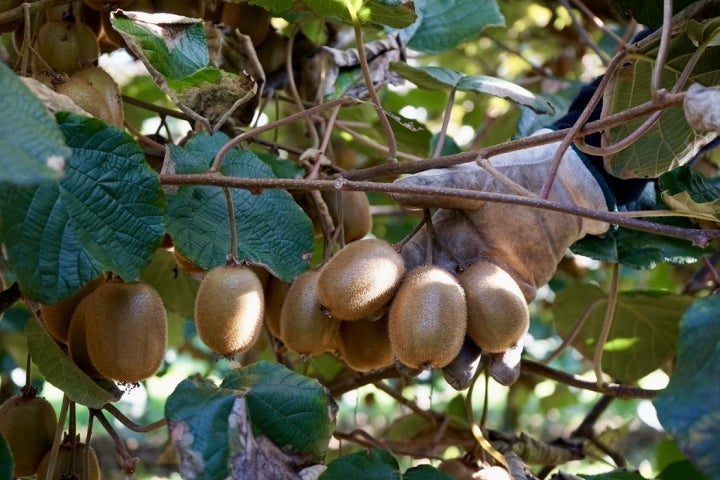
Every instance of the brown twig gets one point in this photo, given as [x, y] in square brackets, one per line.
[129, 464]
[363, 379]
[129, 424]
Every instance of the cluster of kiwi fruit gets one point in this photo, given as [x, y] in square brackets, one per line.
[111, 329]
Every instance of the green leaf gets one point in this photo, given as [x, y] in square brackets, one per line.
[425, 472]
[32, 146]
[637, 249]
[685, 190]
[106, 213]
[681, 470]
[272, 229]
[644, 331]
[438, 78]
[176, 287]
[671, 141]
[6, 460]
[373, 464]
[649, 13]
[62, 372]
[616, 475]
[291, 410]
[687, 408]
[197, 414]
[443, 25]
[391, 14]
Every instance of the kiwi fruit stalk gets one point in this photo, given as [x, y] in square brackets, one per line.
[126, 330]
[360, 279]
[57, 316]
[498, 315]
[428, 318]
[28, 424]
[304, 327]
[229, 309]
[365, 345]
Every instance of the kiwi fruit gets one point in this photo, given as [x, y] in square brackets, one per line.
[304, 327]
[498, 315]
[86, 97]
[229, 309]
[101, 81]
[356, 218]
[57, 316]
[69, 465]
[77, 341]
[360, 279]
[28, 424]
[67, 46]
[250, 20]
[126, 330]
[428, 318]
[275, 291]
[6, 5]
[365, 345]
[457, 469]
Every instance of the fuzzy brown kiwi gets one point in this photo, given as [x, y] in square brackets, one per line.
[67, 464]
[126, 330]
[11, 26]
[304, 327]
[498, 315]
[77, 341]
[357, 221]
[250, 20]
[106, 85]
[427, 318]
[360, 279]
[87, 97]
[229, 309]
[28, 424]
[365, 345]
[67, 46]
[275, 291]
[57, 316]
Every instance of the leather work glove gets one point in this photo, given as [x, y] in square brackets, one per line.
[527, 243]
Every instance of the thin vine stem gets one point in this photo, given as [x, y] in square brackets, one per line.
[607, 324]
[577, 24]
[445, 123]
[483, 442]
[315, 138]
[232, 254]
[666, 31]
[567, 341]
[129, 424]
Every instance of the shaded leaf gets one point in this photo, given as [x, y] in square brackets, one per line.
[685, 190]
[272, 229]
[373, 464]
[688, 408]
[6, 460]
[106, 213]
[671, 141]
[62, 372]
[616, 475]
[649, 13]
[293, 411]
[425, 472]
[33, 148]
[443, 25]
[439, 78]
[176, 286]
[644, 331]
[372, 11]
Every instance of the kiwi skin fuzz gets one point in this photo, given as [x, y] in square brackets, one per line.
[364, 345]
[58, 315]
[304, 327]
[498, 315]
[360, 279]
[229, 309]
[126, 330]
[428, 318]
[275, 291]
[28, 425]
[63, 462]
[77, 341]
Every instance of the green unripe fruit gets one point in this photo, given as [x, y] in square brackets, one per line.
[498, 315]
[126, 330]
[28, 424]
[428, 318]
[229, 309]
[360, 279]
[304, 327]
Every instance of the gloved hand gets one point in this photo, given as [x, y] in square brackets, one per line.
[527, 243]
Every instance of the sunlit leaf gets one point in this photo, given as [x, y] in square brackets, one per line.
[685, 190]
[373, 464]
[391, 14]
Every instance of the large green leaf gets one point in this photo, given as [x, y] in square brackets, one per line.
[6, 460]
[32, 148]
[373, 464]
[391, 14]
[439, 78]
[105, 213]
[442, 25]
[62, 372]
[671, 141]
[272, 229]
[688, 407]
[644, 330]
[291, 410]
[685, 190]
